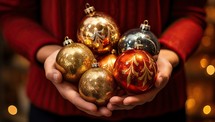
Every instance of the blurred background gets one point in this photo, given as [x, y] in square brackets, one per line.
[200, 70]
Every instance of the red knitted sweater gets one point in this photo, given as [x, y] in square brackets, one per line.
[29, 24]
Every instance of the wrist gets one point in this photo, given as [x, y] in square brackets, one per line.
[45, 51]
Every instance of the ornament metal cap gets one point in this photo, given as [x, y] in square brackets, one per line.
[95, 64]
[89, 9]
[113, 51]
[145, 25]
[67, 41]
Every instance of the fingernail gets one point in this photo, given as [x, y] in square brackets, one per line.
[55, 77]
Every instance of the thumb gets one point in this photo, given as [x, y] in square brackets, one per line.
[161, 81]
[51, 72]
[54, 76]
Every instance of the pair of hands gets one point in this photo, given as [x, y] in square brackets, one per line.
[166, 61]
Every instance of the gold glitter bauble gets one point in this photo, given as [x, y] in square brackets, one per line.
[98, 31]
[73, 60]
[107, 62]
[97, 85]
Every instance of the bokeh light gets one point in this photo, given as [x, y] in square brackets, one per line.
[210, 69]
[203, 62]
[190, 103]
[206, 109]
[206, 41]
[12, 110]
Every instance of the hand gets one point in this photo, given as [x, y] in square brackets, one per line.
[70, 91]
[165, 63]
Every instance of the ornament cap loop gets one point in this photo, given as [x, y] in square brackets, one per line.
[95, 64]
[89, 9]
[145, 25]
[113, 51]
[67, 41]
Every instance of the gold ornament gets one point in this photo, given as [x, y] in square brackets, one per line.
[108, 61]
[98, 31]
[73, 60]
[97, 85]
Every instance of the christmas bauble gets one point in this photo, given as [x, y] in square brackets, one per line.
[135, 71]
[97, 85]
[139, 38]
[107, 62]
[73, 60]
[98, 31]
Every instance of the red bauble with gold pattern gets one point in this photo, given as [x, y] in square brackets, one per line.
[135, 71]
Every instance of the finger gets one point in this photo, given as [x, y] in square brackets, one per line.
[50, 71]
[88, 107]
[112, 106]
[83, 105]
[54, 75]
[92, 109]
[71, 94]
[164, 73]
[119, 107]
[141, 98]
[93, 113]
[117, 100]
[163, 77]
[105, 111]
[161, 81]
[116, 103]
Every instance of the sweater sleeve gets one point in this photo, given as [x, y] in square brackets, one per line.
[20, 29]
[184, 34]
